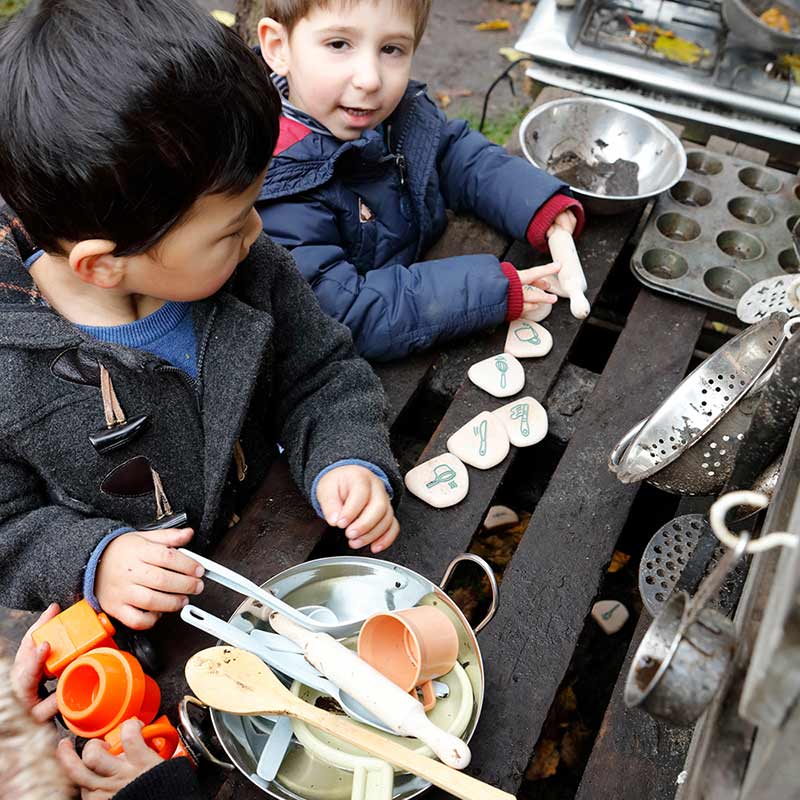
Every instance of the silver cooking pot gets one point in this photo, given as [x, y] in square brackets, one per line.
[352, 587]
[742, 18]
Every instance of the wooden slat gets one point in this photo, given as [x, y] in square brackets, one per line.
[598, 248]
[557, 568]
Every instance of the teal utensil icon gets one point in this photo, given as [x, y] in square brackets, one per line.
[527, 333]
[502, 367]
[520, 412]
[480, 431]
[442, 474]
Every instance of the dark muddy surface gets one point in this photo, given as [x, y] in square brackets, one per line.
[614, 179]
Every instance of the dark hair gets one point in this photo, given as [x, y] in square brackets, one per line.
[117, 115]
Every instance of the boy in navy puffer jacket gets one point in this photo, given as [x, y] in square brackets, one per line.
[363, 173]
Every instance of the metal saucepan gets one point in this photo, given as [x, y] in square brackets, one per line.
[680, 663]
[352, 587]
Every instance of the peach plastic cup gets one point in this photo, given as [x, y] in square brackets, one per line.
[411, 648]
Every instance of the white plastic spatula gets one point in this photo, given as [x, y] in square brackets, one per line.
[238, 682]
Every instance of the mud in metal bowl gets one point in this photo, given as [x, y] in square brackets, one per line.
[352, 587]
[601, 133]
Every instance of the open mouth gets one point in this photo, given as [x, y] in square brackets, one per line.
[358, 112]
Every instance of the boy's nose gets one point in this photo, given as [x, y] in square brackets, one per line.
[367, 75]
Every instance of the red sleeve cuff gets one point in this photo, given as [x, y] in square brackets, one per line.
[545, 216]
[514, 310]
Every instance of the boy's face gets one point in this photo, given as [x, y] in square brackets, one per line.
[196, 257]
[347, 66]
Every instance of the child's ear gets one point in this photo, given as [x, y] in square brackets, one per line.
[274, 41]
[93, 261]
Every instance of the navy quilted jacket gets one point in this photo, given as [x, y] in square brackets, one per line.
[358, 216]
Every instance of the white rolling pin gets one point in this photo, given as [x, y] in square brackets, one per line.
[386, 700]
[570, 278]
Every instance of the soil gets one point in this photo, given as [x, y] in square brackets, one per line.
[617, 179]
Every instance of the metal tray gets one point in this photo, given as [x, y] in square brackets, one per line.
[723, 227]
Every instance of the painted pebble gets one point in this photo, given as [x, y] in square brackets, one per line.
[527, 339]
[481, 443]
[441, 481]
[610, 615]
[501, 375]
[500, 516]
[525, 421]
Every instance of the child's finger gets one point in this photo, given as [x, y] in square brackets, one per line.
[376, 531]
[75, 769]
[46, 709]
[168, 570]
[135, 618]
[99, 760]
[370, 516]
[171, 537]
[356, 497]
[533, 294]
[527, 276]
[53, 610]
[329, 501]
[137, 751]
[381, 544]
[147, 599]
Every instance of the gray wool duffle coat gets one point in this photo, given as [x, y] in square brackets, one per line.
[272, 368]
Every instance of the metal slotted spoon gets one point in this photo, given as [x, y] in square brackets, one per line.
[767, 296]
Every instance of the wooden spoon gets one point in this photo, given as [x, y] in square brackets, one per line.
[239, 682]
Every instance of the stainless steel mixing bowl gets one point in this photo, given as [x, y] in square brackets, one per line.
[600, 131]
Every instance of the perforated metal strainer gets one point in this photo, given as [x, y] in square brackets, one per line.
[767, 296]
[666, 555]
[701, 401]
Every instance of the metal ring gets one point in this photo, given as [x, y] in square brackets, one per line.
[492, 583]
[720, 509]
[792, 322]
[195, 738]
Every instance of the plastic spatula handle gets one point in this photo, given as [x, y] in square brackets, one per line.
[571, 277]
[386, 700]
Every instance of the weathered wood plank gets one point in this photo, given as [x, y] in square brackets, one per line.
[634, 756]
[598, 248]
[557, 568]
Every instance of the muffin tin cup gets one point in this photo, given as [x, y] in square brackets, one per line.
[722, 228]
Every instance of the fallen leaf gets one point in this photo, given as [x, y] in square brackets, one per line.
[525, 10]
[545, 762]
[510, 54]
[225, 17]
[443, 98]
[493, 25]
[618, 561]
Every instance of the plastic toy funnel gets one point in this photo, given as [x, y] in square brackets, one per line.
[101, 689]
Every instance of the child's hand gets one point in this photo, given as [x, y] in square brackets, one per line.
[536, 286]
[28, 670]
[566, 220]
[352, 498]
[99, 775]
[141, 575]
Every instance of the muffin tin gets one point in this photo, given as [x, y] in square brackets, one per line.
[722, 228]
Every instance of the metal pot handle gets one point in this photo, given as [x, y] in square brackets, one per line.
[489, 572]
[622, 445]
[193, 735]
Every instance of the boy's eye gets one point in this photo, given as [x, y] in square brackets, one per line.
[393, 50]
[338, 44]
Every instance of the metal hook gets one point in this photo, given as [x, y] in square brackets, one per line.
[724, 504]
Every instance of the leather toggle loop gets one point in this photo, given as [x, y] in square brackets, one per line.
[119, 431]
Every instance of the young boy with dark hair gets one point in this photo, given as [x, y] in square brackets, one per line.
[157, 347]
[366, 167]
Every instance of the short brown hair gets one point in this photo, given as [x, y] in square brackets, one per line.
[290, 12]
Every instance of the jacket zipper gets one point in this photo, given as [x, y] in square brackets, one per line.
[399, 158]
